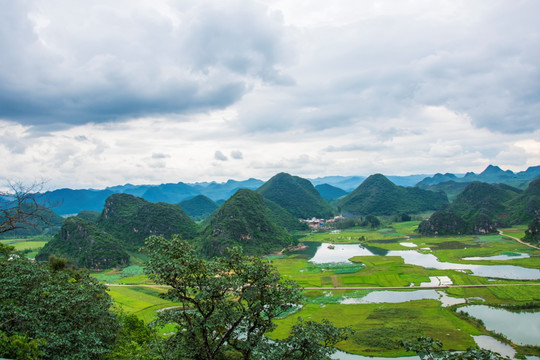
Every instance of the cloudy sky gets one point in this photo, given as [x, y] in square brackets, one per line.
[98, 93]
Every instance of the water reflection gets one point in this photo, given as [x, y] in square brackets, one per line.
[390, 296]
[524, 329]
[376, 250]
[341, 253]
[499, 257]
[490, 343]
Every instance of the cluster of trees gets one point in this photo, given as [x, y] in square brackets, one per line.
[532, 234]
[50, 310]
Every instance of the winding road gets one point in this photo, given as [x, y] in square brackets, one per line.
[518, 240]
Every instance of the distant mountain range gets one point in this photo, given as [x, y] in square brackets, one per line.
[69, 201]
[491, 175]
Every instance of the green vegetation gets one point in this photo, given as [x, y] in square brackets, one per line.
[143, 301]
[214, 294]
[451, 188]
[228, 304]
[532, 234]
[380, 328]
[524, 208]
[199, 207]
[482, 207]
[38, 220]
[431, 349]
[329, 192]
[85, 245]
[282, 218]
[297, 196]
[379, 196]
[29, 246]
[131, 220]
[243, 221]
[90, 216]
[65, 310]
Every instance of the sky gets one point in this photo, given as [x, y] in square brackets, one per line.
[100, 93]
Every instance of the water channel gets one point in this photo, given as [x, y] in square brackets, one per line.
[341, 253]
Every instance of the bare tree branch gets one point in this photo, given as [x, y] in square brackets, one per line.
[20, 206]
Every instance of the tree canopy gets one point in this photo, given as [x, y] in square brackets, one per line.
[66, 311]
[228, 304]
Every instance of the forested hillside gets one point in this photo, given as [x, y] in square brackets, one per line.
[132, 219]
[243, 220]
[296, 195]
[482, 207]
[199, 207]
[85, 245]
[379, 196]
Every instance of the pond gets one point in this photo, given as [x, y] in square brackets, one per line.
[499, 257]
[525, 328]
[341, 253]
[391, 296]
[490, 343]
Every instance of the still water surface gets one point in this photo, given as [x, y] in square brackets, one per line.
[520, 327]
[342, 253]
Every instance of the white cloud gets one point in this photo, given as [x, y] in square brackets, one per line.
[146, 91]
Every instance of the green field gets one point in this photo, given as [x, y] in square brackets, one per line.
[379, 328]
[144, 301]
[30, 246]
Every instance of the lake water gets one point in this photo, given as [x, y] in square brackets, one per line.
[521, 328]
[341, 253]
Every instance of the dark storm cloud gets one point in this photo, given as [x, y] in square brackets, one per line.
[94, 63]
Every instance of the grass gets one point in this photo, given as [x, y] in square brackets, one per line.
[141, 301]
[379, 328]
[22, 244]
[353, 236]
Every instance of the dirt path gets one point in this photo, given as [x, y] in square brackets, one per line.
[518, 240]
[375, 287]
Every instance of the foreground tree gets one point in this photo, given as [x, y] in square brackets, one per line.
[228, 304]
[64, 309]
